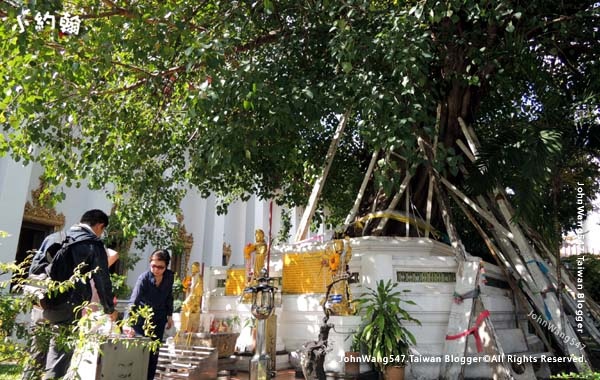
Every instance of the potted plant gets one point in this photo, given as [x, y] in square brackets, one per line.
[352, 358]
[384, 335]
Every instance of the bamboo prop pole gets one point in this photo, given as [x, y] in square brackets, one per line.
[522, 268]
[506, 245]
[586, 321]
[465, 150]
[469, 135]
[407, 208]
[429, 207]
[567, 287]
[460, 318]
[554, 307]
[569, 290]
[270, 238]
[446, 216]
[361, 192]
[590, 305]
[529, 286]
[504, 264]
[531, 261]
[394, 202]
[551, 303]
[513, 233]
[502, 235]
[501, 369]
[373, 208]
[318, 186]
[489, 217]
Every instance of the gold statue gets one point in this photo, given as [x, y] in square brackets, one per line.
[191, 307]
[338, 300]
[256, 262]
[226, 253]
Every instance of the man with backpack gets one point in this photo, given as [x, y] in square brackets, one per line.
[59, 255]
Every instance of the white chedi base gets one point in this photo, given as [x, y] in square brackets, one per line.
[340, 341]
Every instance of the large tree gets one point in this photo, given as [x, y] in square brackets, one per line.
[240, 97]
[461, 105]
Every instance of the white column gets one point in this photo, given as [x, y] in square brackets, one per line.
[215, 252]
[235, 234]
[14, 190]
[261, 216]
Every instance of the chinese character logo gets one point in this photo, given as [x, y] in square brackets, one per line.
[70, 24]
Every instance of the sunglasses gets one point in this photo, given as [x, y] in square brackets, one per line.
[159, 267]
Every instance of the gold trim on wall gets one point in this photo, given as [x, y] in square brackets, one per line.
[187, 239]
[179, 263]
[35, 212]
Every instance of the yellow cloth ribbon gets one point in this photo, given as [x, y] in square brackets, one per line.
[396, 216]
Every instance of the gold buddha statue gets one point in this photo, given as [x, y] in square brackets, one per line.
[192, 305]
[339, 298]
[255, 255]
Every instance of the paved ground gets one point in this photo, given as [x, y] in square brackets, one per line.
[288, 374]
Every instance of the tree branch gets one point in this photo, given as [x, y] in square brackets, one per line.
[130, 14]
[271, 36]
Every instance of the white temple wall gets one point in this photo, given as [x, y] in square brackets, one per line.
[209, 230]
[424, 268]
[14, 190]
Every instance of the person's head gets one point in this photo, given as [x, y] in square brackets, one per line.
[195, 267]
[159, 261]
[96, 219]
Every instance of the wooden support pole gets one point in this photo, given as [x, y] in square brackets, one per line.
[318, 187]
[551, 303]
[393, 203]
[465, 150]
[361, 192]
[564, 328]
[469, 135]
[429, 206]
[485, 214]
[461, 315]
[445, 211]
[504, 264]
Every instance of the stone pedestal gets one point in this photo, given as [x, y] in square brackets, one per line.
[340, 341]
[123, 358]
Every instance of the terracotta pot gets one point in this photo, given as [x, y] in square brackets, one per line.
[394, 373]
[351, 363]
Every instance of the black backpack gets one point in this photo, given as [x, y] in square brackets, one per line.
[55, 263]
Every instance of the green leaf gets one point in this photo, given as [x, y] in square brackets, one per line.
[268, 6]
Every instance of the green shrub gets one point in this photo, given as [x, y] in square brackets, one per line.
[590, 274]
[10, 372]
[578, 376]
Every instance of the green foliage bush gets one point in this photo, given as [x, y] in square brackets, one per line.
[578, 376]
[590, 274]
[16, 334]
[10, 371]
